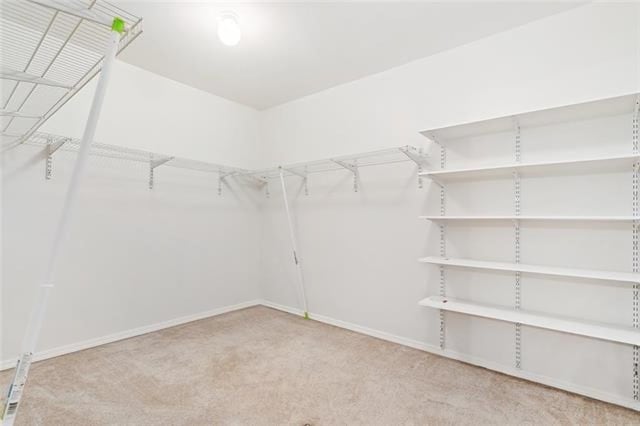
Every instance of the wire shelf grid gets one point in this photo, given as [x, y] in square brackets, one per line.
[50, 50]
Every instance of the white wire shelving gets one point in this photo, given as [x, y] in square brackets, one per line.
[351, 163]
[371, 158]
[53, 143]
[613, 333]
[50, 50]
[56, 142]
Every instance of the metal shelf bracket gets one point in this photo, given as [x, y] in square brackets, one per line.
[51, 148]
[302, 175]
[443, 245]
[418, 157]
[353, 168]
[156, 163]
[517, 210]
[221, 178]
[635, 252]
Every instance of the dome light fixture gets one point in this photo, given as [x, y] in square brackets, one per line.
[229, 31]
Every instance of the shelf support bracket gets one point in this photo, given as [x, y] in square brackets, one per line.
[516, 130]
[635, 255]
[518, 274]
[418, 157]
[156, 163]
[51, 148]
[353, 168]
[301, 175]
[221, 178]
[443, 244]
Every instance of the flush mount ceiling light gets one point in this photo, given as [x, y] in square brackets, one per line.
[229, 29]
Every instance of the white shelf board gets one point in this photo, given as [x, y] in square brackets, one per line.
[602, 331]
[567, 113]
[628, 277]
[533, 218]
[588, 165]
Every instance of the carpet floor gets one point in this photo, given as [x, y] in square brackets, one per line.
[259, 366]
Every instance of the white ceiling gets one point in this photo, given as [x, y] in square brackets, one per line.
[292, 49]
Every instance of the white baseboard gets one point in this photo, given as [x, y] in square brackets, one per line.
[545, 380]
[469, 359]
[91, 343]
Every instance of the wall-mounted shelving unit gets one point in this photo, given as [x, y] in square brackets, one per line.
[154, 160]
[55, 142]
[50, 50]
[516, 170]
[351, 163]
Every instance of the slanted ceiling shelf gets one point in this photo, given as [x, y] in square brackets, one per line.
[50, 50]
[595, 330]
[627, 277]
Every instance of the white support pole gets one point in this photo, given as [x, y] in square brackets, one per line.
[16, 388]
[294, 246]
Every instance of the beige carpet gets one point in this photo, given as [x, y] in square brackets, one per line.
[259, 366]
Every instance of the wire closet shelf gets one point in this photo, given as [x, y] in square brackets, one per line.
[50, 50]
[371, 158]
[402, 154]
[63, 143]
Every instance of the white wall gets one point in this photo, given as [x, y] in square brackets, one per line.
[146, 111]
[359, 250]
[586, 53]
[135, 257]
